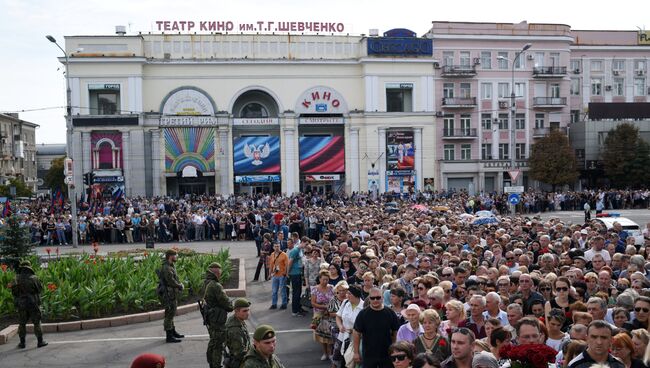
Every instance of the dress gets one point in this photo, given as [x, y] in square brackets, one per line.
[322, 335]
[440, 347]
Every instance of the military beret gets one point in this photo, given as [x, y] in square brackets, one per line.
[171, 252]
[264, 332]
[241, 303]
[214, 265]
[148, 360]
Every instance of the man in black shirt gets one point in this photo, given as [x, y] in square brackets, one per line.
[378, 326]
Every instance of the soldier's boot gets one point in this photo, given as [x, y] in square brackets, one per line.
[41, 342]
[170, 336]
[176, 334]
[21, 344]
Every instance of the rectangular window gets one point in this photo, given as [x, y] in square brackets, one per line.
[503, 121]
[539, 59]
[555, 58]
[520, 63]
[449, 152]
[554, 90]
[465, 90]
[486, 91]
[520, 121]
[539, 121]
[596, 86]
[520, 90]
[465, 151]
[575, 66]
[448, 58]
[448, 126]
[399, 97]
[504, 90]
[575, 86]
[486, 60]
[486, 151]
[520, 151]
[504, 151]
[465, 125]
[575, 116]
[502, 60]
[486, 121]
[618, 86]
[639, 87]
[104, 99]
[465, 59]
[618, 65]
[596, 65]
[448, 90]
[639, 66]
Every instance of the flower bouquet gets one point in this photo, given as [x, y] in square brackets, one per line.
[528, 355]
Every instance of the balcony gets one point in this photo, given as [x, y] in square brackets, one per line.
[458, 103]
[549, 102]
[549, 71]
[543, 132]
[458, 71]
[469, 133]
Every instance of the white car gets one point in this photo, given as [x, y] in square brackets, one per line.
[628, 225]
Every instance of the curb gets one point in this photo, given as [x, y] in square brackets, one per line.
[11, 331]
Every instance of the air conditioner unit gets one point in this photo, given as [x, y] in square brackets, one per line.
[640, 72]
[436, 65]
[576, 71]
[529, 57]
[503, 104]
[616, 72]
[477, 61]
[439, 114]
[608, 88]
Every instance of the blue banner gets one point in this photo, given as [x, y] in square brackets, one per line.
[256, 154]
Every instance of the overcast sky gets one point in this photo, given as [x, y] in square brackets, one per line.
[32, 77]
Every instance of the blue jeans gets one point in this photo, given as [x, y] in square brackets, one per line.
[279, 282]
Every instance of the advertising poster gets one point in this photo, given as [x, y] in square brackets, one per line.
[400, 152]
[322, 154]
[106, 149]
[256, 154]
[189, 147]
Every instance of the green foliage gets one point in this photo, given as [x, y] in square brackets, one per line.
[626, 157]
[54, 177]
[16, 242]
[552, 160]
[22, 190]
[89, 287]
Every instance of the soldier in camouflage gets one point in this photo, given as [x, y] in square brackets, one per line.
[26, 290]
[169, 293]
[217, 307]
[237, 340]
[261, 356]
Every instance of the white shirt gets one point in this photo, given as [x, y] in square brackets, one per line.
[502, 316]
[591, 253]
[348, 315]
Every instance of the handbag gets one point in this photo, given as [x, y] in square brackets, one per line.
[305, 298]
[234, 233]
[348, 355]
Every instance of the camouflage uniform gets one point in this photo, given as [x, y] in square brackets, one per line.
[237, 341]
[218, 305]
[171, 291]
[255, 360]
[26, 290]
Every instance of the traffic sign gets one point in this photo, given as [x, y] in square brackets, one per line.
[513, 199]
[514, 174]
[514, 189]
[68, 167]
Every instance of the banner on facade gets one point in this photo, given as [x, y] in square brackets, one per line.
[256, 154]
[400, 151]
[256, 121]
[322, 154]
[106, 150]
[326, 120]
[322, 177]
[189, 147]
[188, 120]
[251, 179]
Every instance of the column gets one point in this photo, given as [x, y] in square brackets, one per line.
[419, 175]
[156, 162]
[481, 182]
[86, 152]
[126, 157]
[499, 184]
[382, 159]
[355, 159]
[224, 167]
[290, 156]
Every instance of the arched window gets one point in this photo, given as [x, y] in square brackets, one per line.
[254, 110]
[106, 160]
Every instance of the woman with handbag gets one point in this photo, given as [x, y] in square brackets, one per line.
[345, 318]
[321, 295]
[340, 297]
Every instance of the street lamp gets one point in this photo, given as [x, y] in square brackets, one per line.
[68, 119]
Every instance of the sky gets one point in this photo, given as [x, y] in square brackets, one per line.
[32, 81]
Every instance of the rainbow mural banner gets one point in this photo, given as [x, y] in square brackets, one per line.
[189, 147]
[322, 154]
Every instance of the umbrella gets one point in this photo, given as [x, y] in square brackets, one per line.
[485, 221]
[484, 214]
[420, 207]
[465, 216]
[440, 208]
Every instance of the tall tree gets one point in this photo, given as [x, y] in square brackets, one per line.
[54, 177]
[626, 157]
[552, 160]
[16, 242]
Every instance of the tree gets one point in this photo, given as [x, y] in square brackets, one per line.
[16, 242]
[552, 160]
[22, 190]
[626, 157]
[54, 177]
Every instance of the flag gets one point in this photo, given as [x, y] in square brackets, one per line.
[117, 195]
[6, 211]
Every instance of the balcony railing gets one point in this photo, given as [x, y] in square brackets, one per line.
[461, 71]
[549, 71]
[542, 132]
[549, 101]
[503, 164]
[459, 102]
[459, 133]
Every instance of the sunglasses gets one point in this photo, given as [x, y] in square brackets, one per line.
[510, 258]
[447, 274]
[561, 289]
[639, 309]
[374, 297]
[545, 289]
[399, 357]
[421, 288]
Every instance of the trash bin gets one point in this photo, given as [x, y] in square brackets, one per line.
[149, 242]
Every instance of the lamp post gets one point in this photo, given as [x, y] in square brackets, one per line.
[513, 109]
[72, 196]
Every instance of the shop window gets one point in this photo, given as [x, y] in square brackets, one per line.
[104, 99]
[399, 97]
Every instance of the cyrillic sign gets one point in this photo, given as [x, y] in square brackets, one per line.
[256, 121]
[187, 120]
[322, 177]
[322, 121]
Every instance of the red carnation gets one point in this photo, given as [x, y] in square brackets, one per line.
[442, 342]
